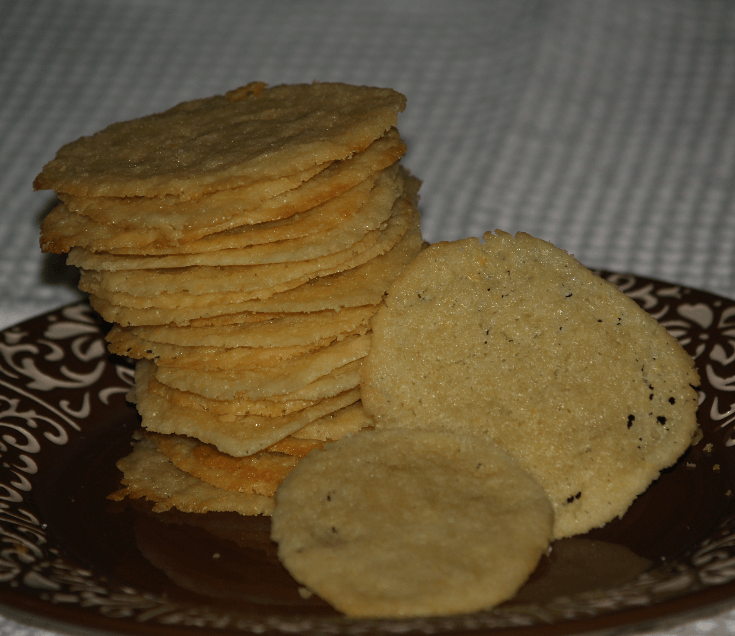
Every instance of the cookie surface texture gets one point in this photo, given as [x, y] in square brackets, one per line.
[410, 523]
[521, 343]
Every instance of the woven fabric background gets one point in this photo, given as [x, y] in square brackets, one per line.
[604, 126]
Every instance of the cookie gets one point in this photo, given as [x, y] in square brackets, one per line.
[224, 141]
[515, 340]
[255, 383]
[363, 285]
[257, 474]
[237, 435]
[325, 229]
[161, 225]
[410, 523]
[281, 330]
[342, 379]
[151, 475]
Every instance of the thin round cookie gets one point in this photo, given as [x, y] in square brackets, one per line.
[253, 133]
[258, 474]
[151, 475]
[353, 214]
[280, 331]
[340, 380]
[265, 408]
[208, 356]
[518, 341]
[158, 225]
[363, 285]
[410, 523]
[234, 435]
[268, 381]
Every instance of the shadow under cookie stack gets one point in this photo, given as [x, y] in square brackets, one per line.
[240, 245]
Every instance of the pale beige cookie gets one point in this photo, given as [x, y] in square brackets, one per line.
[151, 475]
[349, 219]
[336, 425]
[515, 340]
[245, 317]
[283, 330]
[207, 357]
[224, 141]
[235, 435]
[362, 285]
[166, 225]
[128, 344]
[256, 383]
[410, 523]
[232, 434]
[184, 302]
[338, 381]
[205, 286]
[237, 407]
[210, 357]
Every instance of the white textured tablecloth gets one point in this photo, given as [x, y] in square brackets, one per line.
[606, 127]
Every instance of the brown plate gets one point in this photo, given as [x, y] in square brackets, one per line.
[72, 561]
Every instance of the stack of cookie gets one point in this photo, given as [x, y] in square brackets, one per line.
[240, 245]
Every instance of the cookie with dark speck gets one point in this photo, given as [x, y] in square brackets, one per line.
[411, 523]
[515, 340]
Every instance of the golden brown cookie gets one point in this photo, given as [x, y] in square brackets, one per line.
[151, 475]
[224, 141]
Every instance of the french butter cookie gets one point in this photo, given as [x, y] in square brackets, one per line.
[410, 523]
[515, 340]
[251, 134]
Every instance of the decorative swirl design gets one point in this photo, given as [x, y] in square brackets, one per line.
[53, 377]
[48, 385]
